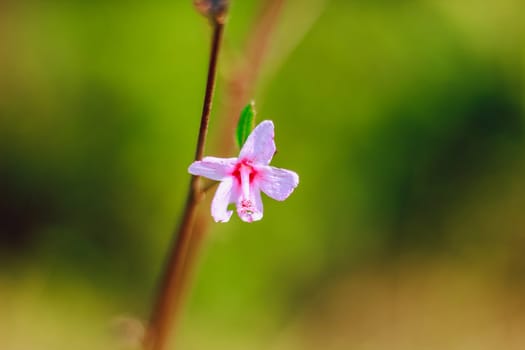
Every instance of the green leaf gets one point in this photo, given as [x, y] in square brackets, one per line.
[246, 123]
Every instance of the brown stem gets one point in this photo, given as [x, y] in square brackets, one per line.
[240, 85]
[167, 303]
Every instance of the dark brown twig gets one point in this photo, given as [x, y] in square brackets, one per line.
[166, 304]
[240, 86]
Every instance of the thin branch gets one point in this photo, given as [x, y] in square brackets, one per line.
[240, 86]
[180, 265]
[242, 83]
[167, 304]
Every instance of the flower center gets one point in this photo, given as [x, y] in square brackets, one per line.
[244, 173]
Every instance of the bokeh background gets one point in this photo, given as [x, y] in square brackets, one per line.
[404, 119]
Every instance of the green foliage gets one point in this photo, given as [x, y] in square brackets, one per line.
[245, 124]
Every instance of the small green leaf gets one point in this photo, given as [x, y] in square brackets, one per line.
[246, 123]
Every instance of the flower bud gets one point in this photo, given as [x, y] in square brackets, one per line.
[215, 10]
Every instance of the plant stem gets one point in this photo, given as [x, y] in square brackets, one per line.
[241, 84]
[239, 87]
[167, 303]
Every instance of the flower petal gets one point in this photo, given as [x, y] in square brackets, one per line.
[250, 209]
[219, 204]
[260, 146]
[212, 167]
[278, 183]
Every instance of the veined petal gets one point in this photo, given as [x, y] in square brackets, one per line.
[212, 167]
[250, 209]
[223, 197]
[278, 183]
[260, 146]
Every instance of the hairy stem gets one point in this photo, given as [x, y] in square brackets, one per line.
[167, 305]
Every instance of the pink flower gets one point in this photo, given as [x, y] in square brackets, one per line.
[243, 178]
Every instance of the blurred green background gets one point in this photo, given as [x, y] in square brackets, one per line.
[404, 119]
